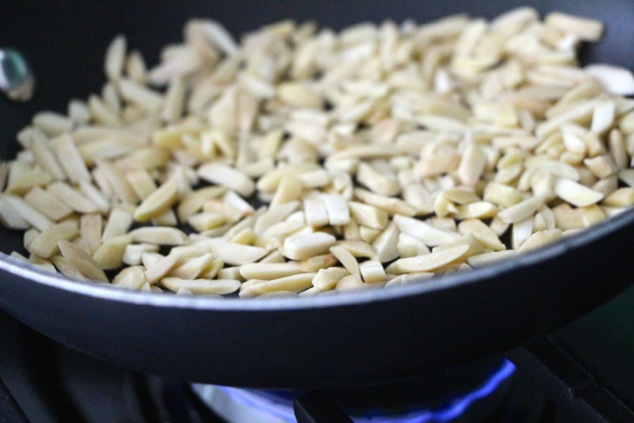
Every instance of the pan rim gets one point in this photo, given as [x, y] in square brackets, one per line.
[110, 292]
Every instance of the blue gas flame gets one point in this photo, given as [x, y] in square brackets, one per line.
[283, 408]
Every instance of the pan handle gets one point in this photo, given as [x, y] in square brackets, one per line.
[16, 78]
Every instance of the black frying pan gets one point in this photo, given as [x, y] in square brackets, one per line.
[309, 342]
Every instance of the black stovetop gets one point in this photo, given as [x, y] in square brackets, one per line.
[584, 372]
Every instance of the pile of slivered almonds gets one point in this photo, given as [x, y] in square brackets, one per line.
[303, 161]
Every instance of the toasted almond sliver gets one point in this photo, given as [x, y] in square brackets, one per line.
[28, 212]
[45, 244]
[303, 246]
[159, 235]
[430, 261]
[82, 261]
[157, 202]
[289, 189]
[110, 254]
[48, 204]
[269, 271]
[575, 193]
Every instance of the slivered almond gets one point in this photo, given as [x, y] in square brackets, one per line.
[26, 212]
[269, 271]
[350, 283]
[231, 253]
[161, 267]
[192, 202]
[303, 246]
[294, 283]
[386, 243]
[389, 204]
[72, 197]
[540, 239]
[45, 157]
[376, 181]
[327, 279]
[367, 215]
[315, 263]
[70, 159]
[428, 262]
[346, 259]
[337, 208]
[372, 272]
[486, 258]
[110, 254]
[133, 252]
[118, 182]
[119, 223]
[315, 210]
[193, 267]
[90, 229]
[131, 277]
[228, 177]
[274, 215]
[585, 29]
[45, 243]
[482, 232]
[575, 193]
[202, 286]
[159, 236]
[289, 189]
[65, 267]
[521, 210]
[157, 202]
[82, 261]
[48, 204]
[425, 232]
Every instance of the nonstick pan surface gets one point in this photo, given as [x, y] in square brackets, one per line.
[294, 343]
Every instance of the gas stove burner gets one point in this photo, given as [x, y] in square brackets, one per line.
[237, 405]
